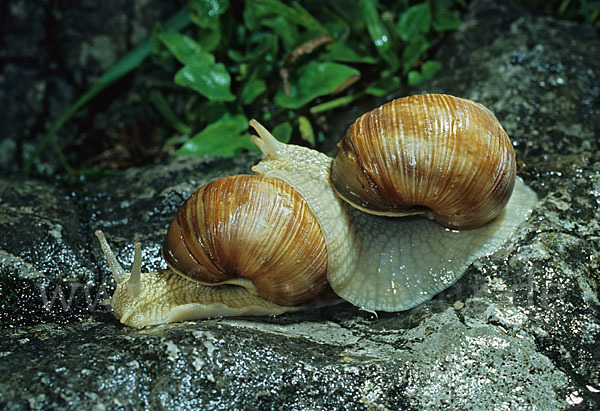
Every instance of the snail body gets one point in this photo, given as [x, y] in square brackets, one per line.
[372, 261]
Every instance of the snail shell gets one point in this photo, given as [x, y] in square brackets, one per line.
[252, 231]
[427, 153]
[374, 262]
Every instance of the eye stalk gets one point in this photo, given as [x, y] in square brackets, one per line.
[131, 281]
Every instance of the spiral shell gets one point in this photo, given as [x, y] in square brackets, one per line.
[427, 154]
[252, 231]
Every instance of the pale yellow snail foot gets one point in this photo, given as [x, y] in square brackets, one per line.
[144, 299]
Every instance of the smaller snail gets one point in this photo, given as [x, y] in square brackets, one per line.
[274, 242]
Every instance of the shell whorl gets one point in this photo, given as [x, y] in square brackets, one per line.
[427, 153]
[246, 227]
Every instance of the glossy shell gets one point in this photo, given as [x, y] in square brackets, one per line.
[253, 228]
[427, 154]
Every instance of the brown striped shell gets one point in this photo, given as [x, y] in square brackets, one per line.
[251, 228]
[427, 154]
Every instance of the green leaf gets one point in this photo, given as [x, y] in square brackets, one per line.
[315, 79]
[306, 131]
[428, 71]
[417, 19]
[379, 34]
[252, 15]
[252, 89]
[383, 86]
[206, 15]
[212, 81]
[348, 11]
[335, 103]
[445, 20]
[430, 68]
[337, 29]
[283, 132]
[164, 108]
[204, 12]
[159, 51]
[256, 10]
[288, 33]
[209, 112]
[265, 43]
[413, 51]
[210, 38]
[225, 138]
[339, 51]
[184, 48]
[303, 17]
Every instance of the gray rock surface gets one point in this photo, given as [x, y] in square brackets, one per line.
[520, 330]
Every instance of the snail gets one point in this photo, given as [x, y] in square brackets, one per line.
[420, 188]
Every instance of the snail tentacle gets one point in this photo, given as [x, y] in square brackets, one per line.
[134, 284]
[266, 142]
[120, 275]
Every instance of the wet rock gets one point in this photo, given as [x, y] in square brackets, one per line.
[535, 81]
[520, 330]
[47, 272]
[315, 361]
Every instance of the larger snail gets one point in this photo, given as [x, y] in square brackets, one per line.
[269, 243]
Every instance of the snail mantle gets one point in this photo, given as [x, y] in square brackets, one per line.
[420, 188]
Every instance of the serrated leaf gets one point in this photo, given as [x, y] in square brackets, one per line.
[315, 79]
[212, 81]
[225, 138]
[416, 19]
